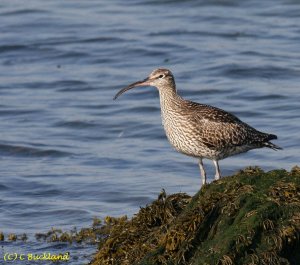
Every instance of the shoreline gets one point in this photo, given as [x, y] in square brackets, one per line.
[251, 217]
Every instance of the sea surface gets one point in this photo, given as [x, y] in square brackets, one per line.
[68, 152]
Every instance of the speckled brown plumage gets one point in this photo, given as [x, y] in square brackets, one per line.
[199, 130]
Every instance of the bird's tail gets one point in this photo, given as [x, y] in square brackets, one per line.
[271, 137]
[271, 145]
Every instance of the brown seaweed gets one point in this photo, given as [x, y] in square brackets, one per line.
[249, 218]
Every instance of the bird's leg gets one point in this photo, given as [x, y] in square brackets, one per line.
[202, 170]
[218, 174]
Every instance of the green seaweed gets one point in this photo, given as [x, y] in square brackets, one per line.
[251, 217]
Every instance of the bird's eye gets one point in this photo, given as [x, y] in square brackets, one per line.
[161, 76]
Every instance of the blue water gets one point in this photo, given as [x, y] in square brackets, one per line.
[68, 152]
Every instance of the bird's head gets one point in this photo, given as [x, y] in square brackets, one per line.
[160, 78]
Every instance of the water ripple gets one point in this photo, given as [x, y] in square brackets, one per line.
[15, 150]
[75, 124]
[24, 12]
[270, 72]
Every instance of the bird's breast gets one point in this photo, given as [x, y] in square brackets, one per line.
[180, 132]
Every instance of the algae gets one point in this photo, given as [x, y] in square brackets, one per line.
[12, 237]
[1, 236]
[252, 217]
[91, 235]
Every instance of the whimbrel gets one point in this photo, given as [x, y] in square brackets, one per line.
[200, 130]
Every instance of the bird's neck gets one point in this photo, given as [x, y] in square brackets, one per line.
[169, 99]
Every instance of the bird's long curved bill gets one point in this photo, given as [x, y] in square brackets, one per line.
[144, 82]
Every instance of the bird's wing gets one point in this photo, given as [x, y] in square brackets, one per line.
[220, 129]
[212, 113]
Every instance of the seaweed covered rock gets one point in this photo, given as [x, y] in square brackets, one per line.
[252, 217]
